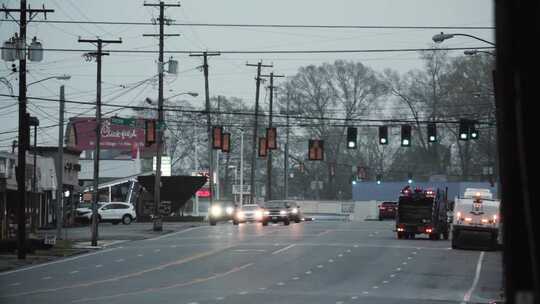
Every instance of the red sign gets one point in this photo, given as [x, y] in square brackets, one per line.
[203, 193]
[82, 135]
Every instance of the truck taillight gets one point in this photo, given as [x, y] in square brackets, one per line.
[468, 219]
[484, 221]
[495, 218]
[429, 230]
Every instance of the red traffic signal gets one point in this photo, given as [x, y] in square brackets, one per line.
[263, 151]
[217, 137]
[226, 143]
[271, 138]
[149, 132]
[316, 149]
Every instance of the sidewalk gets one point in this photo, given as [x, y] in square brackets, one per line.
[78, 241]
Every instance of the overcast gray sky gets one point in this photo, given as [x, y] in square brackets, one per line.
[228, 74]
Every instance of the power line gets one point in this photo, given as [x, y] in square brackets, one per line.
[203, 112]
[298, 26]
[280, 51]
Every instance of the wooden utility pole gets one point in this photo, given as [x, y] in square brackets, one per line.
[208, 120]
[157, 220]
[255, 130]
[25, 16]
[98, 54]
[269, 160]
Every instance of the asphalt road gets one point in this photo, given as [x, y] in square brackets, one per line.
[311, 262]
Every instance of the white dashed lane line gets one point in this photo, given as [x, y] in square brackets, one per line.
[330, 261]
[365, 292]
[120, 260]
[99, 265]
[308, 272]
[262, 288]
[409, 258]
[46, 278]
[74, 272]
[320, 266]
[157, 250]
[140, 255]
[375, 287]
[280, 283]
[404, 263]
[385, 282]
[398, 269]
[15, 284]
[220, 298]
[392, 275]
[354, 298]
[243, 293]
[295, 278]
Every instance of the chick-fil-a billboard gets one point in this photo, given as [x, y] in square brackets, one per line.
[82, 136]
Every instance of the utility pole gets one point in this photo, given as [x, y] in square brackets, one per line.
[34, 122]
[259, 65]
[157, 221]
[286, 158]
[241, 168]
[23, 136]
[208, 121]
[98, 54]
[60, 166]
[269, 159]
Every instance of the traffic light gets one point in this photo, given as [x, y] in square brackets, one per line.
[351, 137]
[432, 132]
[149, 132]
[406, 136]
[263, 149]
[316, 149]
[271, 136]
[217, 137]
[379, 179]
[473, 132]
[226, 143]
[383, 135]
[409, 178]
[463, 129]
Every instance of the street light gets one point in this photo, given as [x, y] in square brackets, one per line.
[438, 38]
[59, 77]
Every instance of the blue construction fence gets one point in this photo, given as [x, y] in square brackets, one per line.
[389, 191]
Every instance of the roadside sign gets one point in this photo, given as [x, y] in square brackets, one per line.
[130, 122]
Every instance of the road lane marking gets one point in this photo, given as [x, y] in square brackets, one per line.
[119, 260]
[320, 266]
[174, 246]
[99, 265]
[193, 303]
[354, 297]
[348, 250]
[308, 272]
[296, 278]
[414, 252]
[15, 284]
[59, 261]
[157, 250]
[280, 284]
[340, 255]
[74, 272]
[174, 286]
[404, 263]
[370, 235]
[243, 293]
[392, 275]
[262, 288]
[175, 233]
[467, 296]
[220, 298]
[375, 287]
[284, 248]
[398, 269]
[140, 255]
[385, 282]
[127, 276]
[323, 233]
[330, 261]
[365, 292]
[409, 258]
[249, 250]
[339, 302]
[355, 246]
[46, 278]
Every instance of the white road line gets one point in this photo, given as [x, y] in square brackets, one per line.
[414, 252]
[243, 293]
[174, 246]
[404, 263]
[392, 275]
[280, 284]
[308, 272]
[140, 255]
[175, 233]
[398, 269]
[320, 266]
[385, 282]
[409, 258]
[355, 246]
[99, 265]
[249, 250]
[46, 278]
[119, 260]
[339, 302]
[157, 250]
[296, 278]
[375, 287]
[348, 250]
[354, 297]
[467, 296]
[262, 288]
[15, 284]
[57, 262]
[365, 292]
[74, 272]
[340, 255]
[330, 261]
[220, 298]
[284, 248]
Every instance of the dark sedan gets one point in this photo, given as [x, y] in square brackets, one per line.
[387, 210]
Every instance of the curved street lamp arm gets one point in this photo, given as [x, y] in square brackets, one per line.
[477, 38]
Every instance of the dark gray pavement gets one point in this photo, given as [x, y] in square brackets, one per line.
[311, 262]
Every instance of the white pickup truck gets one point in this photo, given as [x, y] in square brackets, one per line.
[476, 215]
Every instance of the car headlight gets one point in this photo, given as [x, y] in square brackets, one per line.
[294, 210]
[240, 214]
[229, 210]
[215, 211]
[258, 214]
[266, 212]
[282, 212]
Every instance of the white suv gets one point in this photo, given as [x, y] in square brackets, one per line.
[114, 212]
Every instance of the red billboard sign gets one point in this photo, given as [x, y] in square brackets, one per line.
[81, 134]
